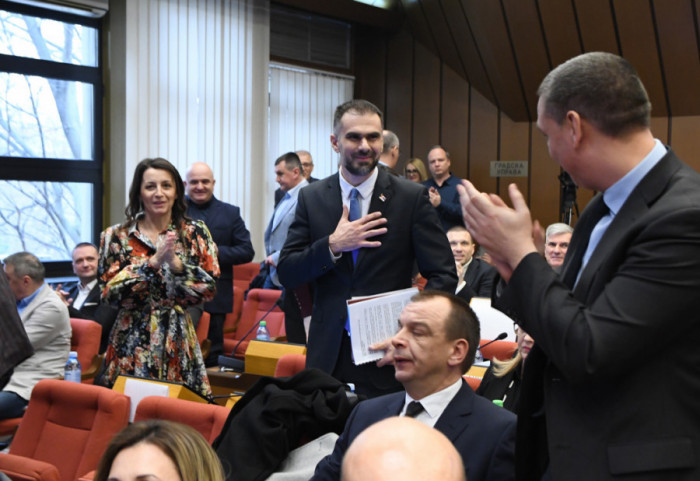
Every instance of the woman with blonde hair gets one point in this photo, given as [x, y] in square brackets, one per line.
[161, 450]
[415, 170]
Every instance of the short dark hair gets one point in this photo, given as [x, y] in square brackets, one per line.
[437, 146]
[134, 206]
[602, 88]
[84, 244]
[461, 322]
[291, 160]
[359, 106]
[26, 264]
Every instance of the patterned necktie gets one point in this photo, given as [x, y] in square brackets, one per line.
[355, 213]
[413, 409]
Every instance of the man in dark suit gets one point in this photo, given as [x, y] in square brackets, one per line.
[390, 152]
[610, 388]
[83, 299]
[475, 277]
[371, 252]
[436, 343]
[232, 239]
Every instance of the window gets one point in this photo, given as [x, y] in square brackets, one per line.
[50, 133]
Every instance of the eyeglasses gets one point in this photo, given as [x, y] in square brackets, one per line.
[411, 172]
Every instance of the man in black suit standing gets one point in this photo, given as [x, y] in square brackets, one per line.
[356, 233]
[307, 166]
[83, 299]
[232, 240]
[611, 387]
[436, 343]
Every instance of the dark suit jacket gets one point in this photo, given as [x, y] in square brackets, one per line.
[616, 362]
[414, 233]
[94, 310]
[233, 241]
[482, 433]
[480, 277]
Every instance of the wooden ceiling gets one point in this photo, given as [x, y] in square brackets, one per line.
[505, 47]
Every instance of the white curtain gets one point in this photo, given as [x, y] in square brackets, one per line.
[302, 103]
[193, 88]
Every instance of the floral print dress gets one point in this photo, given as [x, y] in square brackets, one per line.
[153, 335]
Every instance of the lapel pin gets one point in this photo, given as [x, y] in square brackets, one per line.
[382, 198]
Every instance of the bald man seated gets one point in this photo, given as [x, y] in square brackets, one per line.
[436, 342]
[402, 448]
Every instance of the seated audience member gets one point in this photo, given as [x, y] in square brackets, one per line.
[502, 379]
[415, 170]
[402, 448]
[159, 450]
[45, 319]
[436, 342]
[83, 300]
[475, 275]
[14, 343]
[556, 243]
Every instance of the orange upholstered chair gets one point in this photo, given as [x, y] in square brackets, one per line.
[232, 318]
[290, 364]
[259, 301]
[244, 273]
[202, 333]
[473, 382]
[65, 430]
[502, 350]
[207, 419]
[85, 339]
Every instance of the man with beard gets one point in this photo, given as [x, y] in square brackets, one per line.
[358, 233]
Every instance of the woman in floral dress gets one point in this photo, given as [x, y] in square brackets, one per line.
[152, 267]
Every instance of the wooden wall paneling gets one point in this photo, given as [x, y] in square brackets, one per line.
[596, 25]
[426, 100]
[530, 51]
[441, 32]
[659, 127]
[370, 48]
[676, 24]
[464, 40]
[454, 134]
[399, 88]
[544, 182]
[483, 145]
[684, 139]
[514, 145]
[560, 30]
[419, 24]
[635, 26]
[493, 42]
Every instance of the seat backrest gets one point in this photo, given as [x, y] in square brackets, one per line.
[232, 318]
[244, 273]
[501, 350]
[290, 364]
[207, 419]
[69, 425]
[257, 304]
[203, 327]
[85, 339]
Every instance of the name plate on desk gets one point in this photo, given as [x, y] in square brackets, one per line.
[261, 356]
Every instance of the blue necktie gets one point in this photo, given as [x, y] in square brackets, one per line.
[355, 213]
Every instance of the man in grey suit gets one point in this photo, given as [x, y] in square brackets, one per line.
[290, 177]
[46, 321]
[610, 390]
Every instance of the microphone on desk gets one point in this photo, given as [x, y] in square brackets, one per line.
[500, 337]
[236, 364]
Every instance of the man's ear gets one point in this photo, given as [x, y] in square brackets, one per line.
[575, 126]
[460, 348]
[334, 143]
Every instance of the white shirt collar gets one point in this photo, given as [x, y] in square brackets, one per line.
[434, 404]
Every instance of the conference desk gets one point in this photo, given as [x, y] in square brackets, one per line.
[226, 383]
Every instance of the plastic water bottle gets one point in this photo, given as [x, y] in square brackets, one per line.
[72, 371]
[478, 357]
[263, 334]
